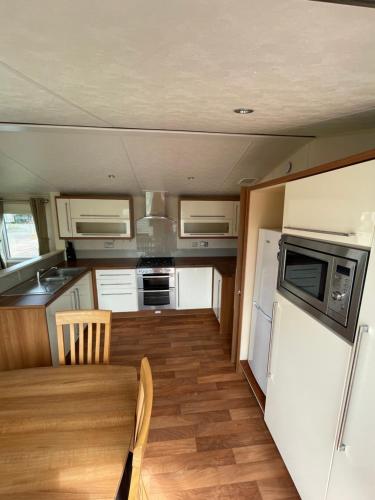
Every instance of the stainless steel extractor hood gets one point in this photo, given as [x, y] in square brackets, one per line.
[156, 205]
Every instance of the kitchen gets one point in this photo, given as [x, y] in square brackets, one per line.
[220, 217]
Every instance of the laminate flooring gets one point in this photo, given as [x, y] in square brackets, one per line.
[208, 439]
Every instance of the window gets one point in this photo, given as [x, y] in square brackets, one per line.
[20, 239]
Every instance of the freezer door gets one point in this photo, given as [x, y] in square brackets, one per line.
[261, 332]
[266, 269]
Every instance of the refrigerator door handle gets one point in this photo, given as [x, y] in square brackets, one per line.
[274, 309]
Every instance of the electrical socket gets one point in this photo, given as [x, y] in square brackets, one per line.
[109, 244]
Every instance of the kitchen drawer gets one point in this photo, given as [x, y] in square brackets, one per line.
[117, 276]
[119, 301]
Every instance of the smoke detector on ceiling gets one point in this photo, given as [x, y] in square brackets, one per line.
[247, 181]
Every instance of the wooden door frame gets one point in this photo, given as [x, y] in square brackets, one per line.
[244, 228]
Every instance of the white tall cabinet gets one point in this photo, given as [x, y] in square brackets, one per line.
[353, 469]
[304, 394]
[194, 288]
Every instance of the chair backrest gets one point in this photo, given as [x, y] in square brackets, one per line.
[78, 321]
[142, 427]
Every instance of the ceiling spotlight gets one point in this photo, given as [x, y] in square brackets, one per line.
[111, 176]
[191, 178]
[243, 111]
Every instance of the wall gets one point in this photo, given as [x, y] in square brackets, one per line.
[323, 150]
[128, 248]
[265, 211]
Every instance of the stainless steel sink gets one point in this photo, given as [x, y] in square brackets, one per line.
[48, 284]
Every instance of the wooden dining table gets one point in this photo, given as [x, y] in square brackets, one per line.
[65, 432]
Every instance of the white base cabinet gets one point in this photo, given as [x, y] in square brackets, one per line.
[304, 395]
[117, 290]
[194, 288]
[78, 296]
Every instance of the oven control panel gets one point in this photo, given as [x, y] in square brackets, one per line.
[340, 289]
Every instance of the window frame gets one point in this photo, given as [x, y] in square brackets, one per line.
[14, 208]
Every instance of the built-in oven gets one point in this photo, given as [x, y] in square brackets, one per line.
[156, 288]
[324, 279]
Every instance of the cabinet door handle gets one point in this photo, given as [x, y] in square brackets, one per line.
[207, 234]
[349, 387]
[100, 216]
[274, 309]
[207, 216]
[178, 289]
[236, 220]
[321, 231]
[78, 298]
[124, 293]
[67, 216]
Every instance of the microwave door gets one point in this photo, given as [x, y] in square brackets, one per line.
[307, 275]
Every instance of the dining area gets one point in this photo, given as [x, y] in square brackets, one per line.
[78, 430]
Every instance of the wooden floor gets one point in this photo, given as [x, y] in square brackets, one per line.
[208, 439]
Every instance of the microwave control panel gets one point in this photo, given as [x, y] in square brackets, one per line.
[340, 289]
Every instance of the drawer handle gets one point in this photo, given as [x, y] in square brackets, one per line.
[116, 284]
[110, 275]
[321, 231]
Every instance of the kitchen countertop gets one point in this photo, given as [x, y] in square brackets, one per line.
[225, 265]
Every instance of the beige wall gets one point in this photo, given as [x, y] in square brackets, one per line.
[325, 149]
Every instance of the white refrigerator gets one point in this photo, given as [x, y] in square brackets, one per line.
[264, 291]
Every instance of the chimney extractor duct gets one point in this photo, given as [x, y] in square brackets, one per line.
[156, 205]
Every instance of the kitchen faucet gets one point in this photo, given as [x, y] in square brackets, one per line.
[42, 272]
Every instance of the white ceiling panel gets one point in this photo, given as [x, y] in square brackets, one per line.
[164, 161]
[15, 178]
[21, 100]
[260, 157]
[73, 160]
[185, 65]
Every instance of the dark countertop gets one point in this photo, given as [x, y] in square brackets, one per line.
[225, 265]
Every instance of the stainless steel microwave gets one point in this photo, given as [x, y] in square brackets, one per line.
[324, 279]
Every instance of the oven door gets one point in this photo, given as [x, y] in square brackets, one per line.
[306, 274]
[154, 281]
[157, 299]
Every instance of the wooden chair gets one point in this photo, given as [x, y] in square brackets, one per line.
[142, 426]
[76, 320]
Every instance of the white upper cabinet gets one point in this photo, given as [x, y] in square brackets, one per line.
[337, 206]
[64, 218]
[94, 218]
[99, 208]
[194, 287]
[209, 218]
[307, 372]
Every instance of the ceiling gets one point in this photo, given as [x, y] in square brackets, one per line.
[306, 68]
[79, 161]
